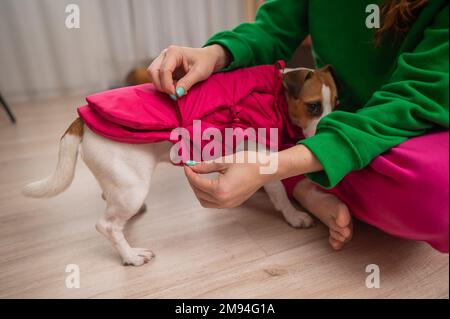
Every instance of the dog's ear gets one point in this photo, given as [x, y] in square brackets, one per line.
[293, 81]
[329, 69]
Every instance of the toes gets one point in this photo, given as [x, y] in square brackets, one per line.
[343, 217]
[342, 234]
[345, 232]
[336, 244]
[147, 254]
[299, 220]
[337, 236]
[139, 257]
[134, 261]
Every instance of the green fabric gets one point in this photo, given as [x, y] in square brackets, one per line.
[388, 93]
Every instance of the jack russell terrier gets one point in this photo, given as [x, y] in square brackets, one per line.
[124, 170]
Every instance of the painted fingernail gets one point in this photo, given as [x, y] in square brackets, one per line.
[191, 163]
[173, 97]
[180, 91]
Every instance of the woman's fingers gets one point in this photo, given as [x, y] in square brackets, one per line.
[211, 193]
[172, 59]
[202, 195]
[235, 183]
[193, 76]
[205, 199]
[206, 185]
[210, 167]
[183, 67]
[153, 71]
[177, 69]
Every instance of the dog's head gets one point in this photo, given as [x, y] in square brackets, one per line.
[311, 94]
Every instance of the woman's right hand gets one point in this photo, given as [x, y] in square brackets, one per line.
[177, 69]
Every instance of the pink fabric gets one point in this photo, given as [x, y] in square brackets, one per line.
[248, 97]
[404, 192]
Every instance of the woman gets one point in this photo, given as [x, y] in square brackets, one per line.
[383, 156]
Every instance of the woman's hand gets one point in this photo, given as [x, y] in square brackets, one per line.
[238, 181]
[177, 69]
[235, 183]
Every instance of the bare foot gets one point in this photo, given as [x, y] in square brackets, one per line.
[341, 227]
[329, 209]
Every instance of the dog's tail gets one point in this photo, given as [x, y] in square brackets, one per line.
[62, 177]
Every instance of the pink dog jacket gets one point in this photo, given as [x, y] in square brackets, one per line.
[244, 98]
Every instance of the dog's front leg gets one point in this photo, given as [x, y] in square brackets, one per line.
[279, 198]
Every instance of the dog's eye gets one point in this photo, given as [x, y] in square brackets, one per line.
[314, 108]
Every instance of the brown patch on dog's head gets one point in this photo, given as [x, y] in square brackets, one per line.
[311, 94]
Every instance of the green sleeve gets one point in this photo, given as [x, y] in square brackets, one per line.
[415, 99]
[279, 27]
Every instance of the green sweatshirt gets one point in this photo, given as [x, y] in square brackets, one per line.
[388, 93]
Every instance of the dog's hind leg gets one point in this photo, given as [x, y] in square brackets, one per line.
[121, 206]
[141, 210]
[124, 173]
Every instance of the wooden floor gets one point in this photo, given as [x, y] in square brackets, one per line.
[236, 253]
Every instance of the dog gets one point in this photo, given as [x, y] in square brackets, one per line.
[124, 171]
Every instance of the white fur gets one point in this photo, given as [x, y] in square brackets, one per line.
[327, 105]
[62, 177]
[281, 202]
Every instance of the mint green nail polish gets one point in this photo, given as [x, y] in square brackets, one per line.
[191, 163]
[180, 91]
[173, 97]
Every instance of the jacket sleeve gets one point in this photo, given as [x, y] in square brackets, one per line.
[279, 27]
[415, 99]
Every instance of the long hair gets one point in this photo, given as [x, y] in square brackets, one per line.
[397, 17]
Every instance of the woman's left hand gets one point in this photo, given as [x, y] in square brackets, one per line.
[234, 185]
[238, 180]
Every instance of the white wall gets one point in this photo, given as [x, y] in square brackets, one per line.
[40, 57]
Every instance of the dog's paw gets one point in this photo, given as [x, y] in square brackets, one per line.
[299, 219]
[138, 257]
